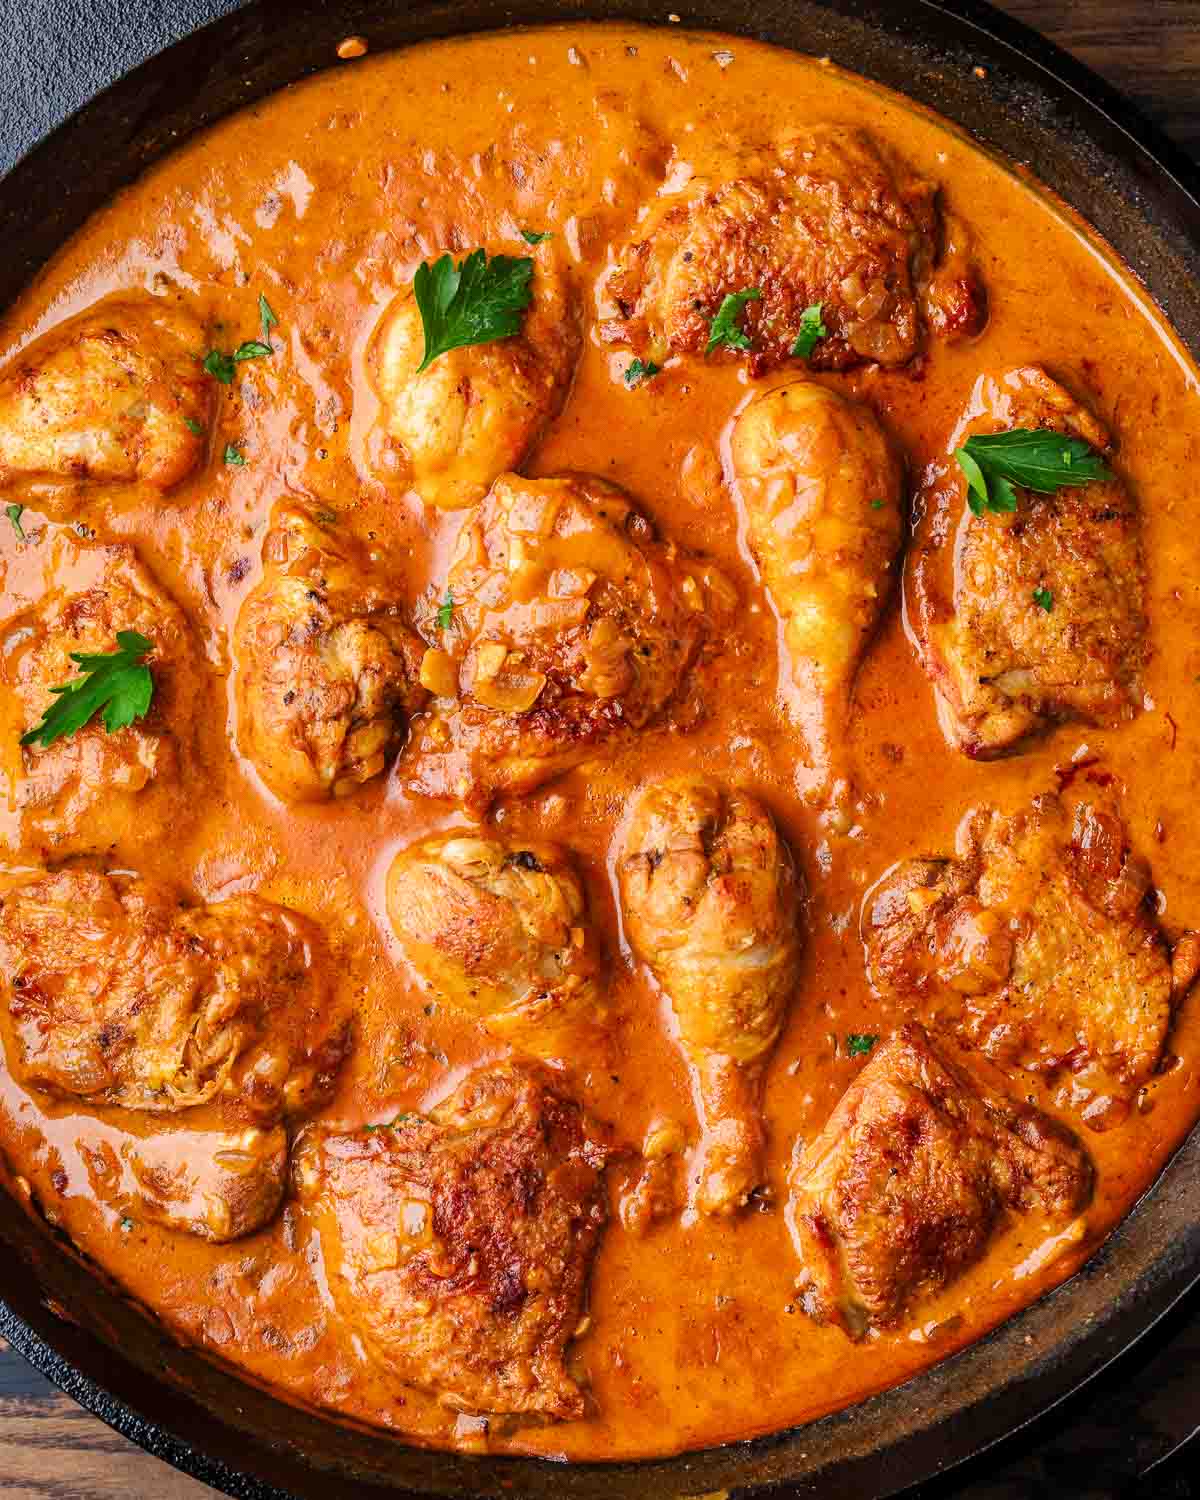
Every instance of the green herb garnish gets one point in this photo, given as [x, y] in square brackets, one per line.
[536, 236]
[473, 302]
[1038, 459]
[119, 685]
[1044, 599]
[725, 327]
[223, 367]
[267, 318]
[193, 426]
[390, 1124]
[637, 372]
[14, 514]
[234, 455]
[859, 1043]
[811, 331]
[445, 614]
[878, 504]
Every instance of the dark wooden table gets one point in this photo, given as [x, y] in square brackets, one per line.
[1121, 1438]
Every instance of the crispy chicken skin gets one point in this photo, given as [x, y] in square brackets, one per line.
[118, 994]
[458, 1244]
[820, 216]
[573, 628]
[328, 670]
[107, 397]
[218, 1186]
[917, 1168]
[1038, 945]
[711, 900]
[501, 932]
[475, 412]
[822, 491]
[1004, 668]
[93, 792]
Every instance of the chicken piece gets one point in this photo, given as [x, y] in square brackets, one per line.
[822, 491]
[475, 412]
[916, 1170]
[501, 932]
[218, 1186]
[458, 1244]
[572, 628]
[1004, 667]
[118, 994]
[711, 900]
[93, 792]
[328, 671]
[115, 396]
[818, 217]
[1038, 944]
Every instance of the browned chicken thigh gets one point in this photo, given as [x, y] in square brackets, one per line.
[95, 792]
[118, 994]
[1039, 945]
[712, 903]
[916, 1170]
[822, 491]
[572, 627]
[475, 412]
[116, 395]
[1034, 615]
[458, 1244]
[328, 669]
[501, 932]
[819, 217]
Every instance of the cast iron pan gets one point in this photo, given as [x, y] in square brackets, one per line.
[1033, 104]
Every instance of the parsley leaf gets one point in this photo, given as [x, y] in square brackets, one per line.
[267, 318]
[638, 372]
[14, 514]
[220, 366]
[445, 614]
[878, 504]
[811, 331]
[193, 426]
[1037, 459]
[536, 236]
[725, 327]
[474, 302]
[1044, 599]
[859, 1043]
[119, 685]
[234, 455]
[223, 367]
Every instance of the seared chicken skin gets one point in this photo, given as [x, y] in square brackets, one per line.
[95, 792]
[475, 412]
[1004, 667]
[711, 900]
[572, 628]
[822, 491]
[114, 396]
[818, 217]
[117, 994]
[458, 1244]
[501, 932]
[1039, 945]
[328, 670]
[917, 1168]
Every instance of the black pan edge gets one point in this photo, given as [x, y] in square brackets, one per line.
[1034, 105]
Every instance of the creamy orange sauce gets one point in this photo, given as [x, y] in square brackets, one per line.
[326, 197]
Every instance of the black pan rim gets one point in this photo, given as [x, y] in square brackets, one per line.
[874, 1448]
